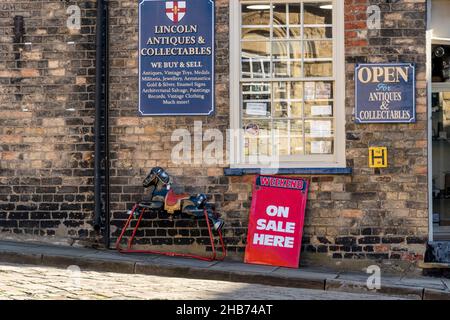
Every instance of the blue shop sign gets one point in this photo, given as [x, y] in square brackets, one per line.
[176, 57]
[385, 93]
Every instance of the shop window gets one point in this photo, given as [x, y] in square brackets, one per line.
[441, 63]
[287, 83]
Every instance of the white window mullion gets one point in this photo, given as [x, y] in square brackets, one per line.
[302, 39]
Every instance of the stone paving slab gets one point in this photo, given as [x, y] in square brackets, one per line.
[156, 265]
[242, 267]
[430, 294]
[24, 249]
[62, 251]
[361, 287]
[184, 262]
[307, 274]
[108, 265]
[146, 268]
[20, 257]
[363, 277]
[5, 243]
[386, 280]
[305, 279]
[431, 283]
[102, 255]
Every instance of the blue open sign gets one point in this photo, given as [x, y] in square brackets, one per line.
[385, 93]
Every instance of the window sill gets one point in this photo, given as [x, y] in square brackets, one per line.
[286, 171]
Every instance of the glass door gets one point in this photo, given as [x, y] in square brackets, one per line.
[441, 139]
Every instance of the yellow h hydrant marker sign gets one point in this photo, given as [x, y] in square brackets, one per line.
[378, 157]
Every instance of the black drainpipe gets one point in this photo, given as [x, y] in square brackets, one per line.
[100, 116]
[106, 117]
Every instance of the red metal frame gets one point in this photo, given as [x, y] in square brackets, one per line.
[171, 254]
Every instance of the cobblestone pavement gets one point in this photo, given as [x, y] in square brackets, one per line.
[32, 282]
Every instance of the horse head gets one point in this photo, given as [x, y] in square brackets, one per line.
[156, 177]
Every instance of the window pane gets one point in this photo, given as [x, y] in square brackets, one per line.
[295, 32]
[287, 69]
[281, 109]
[257, 109]
[296, 110]
[317, 147]
[318, 32]
[254, 68]
[280, 69]
[280, 90]
[318, 13]
[288, 137]
[288, 90]
[256, 34]
[318, 90]
[280, 50]
[287, 99]
[287, 50]
[280, 32]
[246, 69]
[279, 15]
[319, 128]
[296, 90]
[318, 109]
[256, 59]
[294, 13]
[318, 49]
[295, 69]
[318, 69]
[281, 137]
[256, 100]
[296, 141]
[295, 50]
[257, 138]
[319, 136]
[256, 14]
[287, 109]
[256, 49]
[256, 91]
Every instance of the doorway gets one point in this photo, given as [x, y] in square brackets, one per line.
[439, 131]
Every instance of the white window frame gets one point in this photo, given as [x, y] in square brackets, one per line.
[338, 159]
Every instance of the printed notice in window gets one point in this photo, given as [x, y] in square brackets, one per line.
[256, 109]
[310, 91]
[321, 110]
[320, 129]
[323, 90]
[320, 147]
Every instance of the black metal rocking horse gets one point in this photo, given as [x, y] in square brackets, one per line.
[162, 197]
